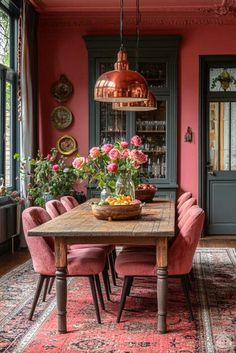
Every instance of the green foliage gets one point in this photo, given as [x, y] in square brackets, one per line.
[4, 39]
[47, 174]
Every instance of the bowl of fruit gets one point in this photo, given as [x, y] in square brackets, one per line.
[145, 192]
[119, 207]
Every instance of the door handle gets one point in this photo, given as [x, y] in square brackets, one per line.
[210, 169]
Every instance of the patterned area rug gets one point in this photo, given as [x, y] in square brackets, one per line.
[213, 297]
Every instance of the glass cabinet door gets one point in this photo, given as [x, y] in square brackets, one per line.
[112, 124]
[151, 127]
[154, 73]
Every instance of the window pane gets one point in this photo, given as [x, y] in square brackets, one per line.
[4, 39]
[224, 135]
[112, 124]
[151, 127]
[8, 147]
[214, 135]
[222, 79]
[154, 73]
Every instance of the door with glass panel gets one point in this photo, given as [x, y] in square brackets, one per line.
[221, 151]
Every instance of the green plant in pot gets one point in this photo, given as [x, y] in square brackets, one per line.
[49, 177]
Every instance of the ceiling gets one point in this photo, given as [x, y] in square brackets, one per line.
[129, 5]
[166, 12]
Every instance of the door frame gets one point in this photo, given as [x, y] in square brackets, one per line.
[204, 61]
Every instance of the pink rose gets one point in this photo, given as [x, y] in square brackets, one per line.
[136, 165]
[79, 162]
[114, 153]
[112, 167]
[125, 153]
[138, 156]
[124, 144]
[136, 141]
[55, 168]
[49, 157]
[14, 194]
[94, 152]
[106, 148]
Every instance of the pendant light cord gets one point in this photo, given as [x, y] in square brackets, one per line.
[121, 23]
[138, 21]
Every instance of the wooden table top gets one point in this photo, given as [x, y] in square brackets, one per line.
[157, 220]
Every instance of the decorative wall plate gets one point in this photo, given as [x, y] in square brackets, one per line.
[61, 117]
[62, 89]
[66, 145]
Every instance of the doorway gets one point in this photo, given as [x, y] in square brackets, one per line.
[217, 141]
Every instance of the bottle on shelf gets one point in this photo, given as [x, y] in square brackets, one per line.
[149, 167]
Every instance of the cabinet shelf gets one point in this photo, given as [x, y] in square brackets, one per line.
[156, 152]
[152, 131]
[112, 131]
[155, 79]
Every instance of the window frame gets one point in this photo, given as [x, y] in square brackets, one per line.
[9, 74]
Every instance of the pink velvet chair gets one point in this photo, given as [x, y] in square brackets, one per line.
[132, 264]
[82, 262]
[55, 208]
[69, 202]
[184, 197]
[185, 207]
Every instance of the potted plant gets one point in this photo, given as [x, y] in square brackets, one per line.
[48, 177]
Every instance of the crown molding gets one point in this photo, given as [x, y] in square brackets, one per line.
[88, 21]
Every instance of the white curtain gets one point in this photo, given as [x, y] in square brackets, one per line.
[28, 88]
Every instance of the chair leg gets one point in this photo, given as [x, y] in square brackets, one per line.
[131, 279]
[112, 268]
[95, 299]
[106, 281]
[46, 289]
[36, 296]
[114, 260]
[188, 281]
[99, 290]
[51, 285]
[126, 288]
[186, 292]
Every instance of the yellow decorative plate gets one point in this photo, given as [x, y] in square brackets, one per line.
[67, 145]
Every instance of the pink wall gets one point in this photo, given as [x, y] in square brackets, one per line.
[62, 50]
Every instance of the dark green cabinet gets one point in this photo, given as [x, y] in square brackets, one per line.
[158, 64]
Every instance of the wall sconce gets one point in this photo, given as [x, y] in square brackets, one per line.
[188, 137]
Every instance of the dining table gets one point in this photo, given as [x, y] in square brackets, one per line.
[156, 227]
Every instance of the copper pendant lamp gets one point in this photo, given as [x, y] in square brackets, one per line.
[145, 105]
[121, 84]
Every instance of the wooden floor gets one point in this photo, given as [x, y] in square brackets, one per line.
[9, 261]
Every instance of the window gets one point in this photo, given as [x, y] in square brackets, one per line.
[8, 92]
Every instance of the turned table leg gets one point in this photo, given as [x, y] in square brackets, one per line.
[61, 285]
[162, 283]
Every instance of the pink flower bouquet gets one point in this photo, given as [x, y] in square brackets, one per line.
[105, 163]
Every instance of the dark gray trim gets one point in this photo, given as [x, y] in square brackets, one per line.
[206, 61]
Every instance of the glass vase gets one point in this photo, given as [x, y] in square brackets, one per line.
[106, 191]
[125, 185]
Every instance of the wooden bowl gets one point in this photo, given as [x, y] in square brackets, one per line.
[145, 195]
[117, 212]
